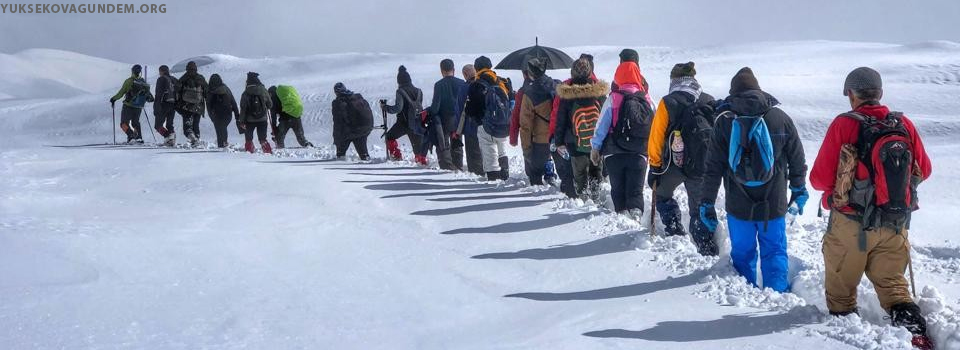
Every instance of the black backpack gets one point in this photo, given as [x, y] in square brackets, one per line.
[633, 123]
[256, 107]
[358, 111]
[696, 131]
[889, 195]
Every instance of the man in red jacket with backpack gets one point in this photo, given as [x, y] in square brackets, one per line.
[868, 168]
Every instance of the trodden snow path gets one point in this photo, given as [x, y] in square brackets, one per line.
[119, 247]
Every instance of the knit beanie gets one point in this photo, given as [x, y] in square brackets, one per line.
[743, 81]
[683, 70]
[536, 67]
[581, 69]
[861, 79]
[630, 55]
[403, 77]
[341, 90]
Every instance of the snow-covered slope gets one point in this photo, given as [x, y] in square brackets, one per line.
[108, 247]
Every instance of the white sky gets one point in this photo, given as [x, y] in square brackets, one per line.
[299, 27]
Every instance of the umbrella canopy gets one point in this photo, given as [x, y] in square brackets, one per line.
[517, 60]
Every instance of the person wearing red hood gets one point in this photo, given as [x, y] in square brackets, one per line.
[871, 205]
[620, 138]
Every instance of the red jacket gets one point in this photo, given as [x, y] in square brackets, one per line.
[845, 130]
[515, 119]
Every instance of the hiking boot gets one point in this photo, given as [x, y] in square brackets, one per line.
[493, 175]
[393, 150]
[421, 160]
[265, 146]
[504, 168]
[907, 315]
[249, 147]
[845, 313]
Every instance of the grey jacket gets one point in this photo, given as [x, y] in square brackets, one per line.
[246, 115]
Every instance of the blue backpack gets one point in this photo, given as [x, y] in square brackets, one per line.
[139, 90]
[496, 112]
[751, 150]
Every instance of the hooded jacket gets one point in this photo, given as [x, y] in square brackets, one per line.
[220, 100]
[570, 95]
[191, 78]
[769, 201]
[254, 89]
[349, 122]
[535, 110]
[845, 130]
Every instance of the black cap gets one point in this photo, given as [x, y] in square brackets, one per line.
[192, 66]
[164, 69]
[136, 69]
[482, 62]
[744, 80]
[862, 78]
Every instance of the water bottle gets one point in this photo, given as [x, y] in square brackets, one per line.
[676, 148]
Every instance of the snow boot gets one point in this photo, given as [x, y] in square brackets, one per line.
[493, 175]
[670, 215]
[170, 139]
[504, 168]
[703, 239]
[249, 147]
[393, 150]
[265, 146]
[421, 160]
[907, 315]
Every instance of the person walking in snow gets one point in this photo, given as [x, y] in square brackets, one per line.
[164, 109]
[443, 117]
[535, 109]
[756, 153]
[488, 103]
[679, 139]
[286, 112]
[869, 166]
[352, 122]
[221, 105]
[255, 104]
[467, 127]
[620, 138]
[407, 106]
[191, 91]
[580, 100]
[561, 161]
[135, 93]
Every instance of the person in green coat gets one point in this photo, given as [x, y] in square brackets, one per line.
[135, 93]
[286, 112]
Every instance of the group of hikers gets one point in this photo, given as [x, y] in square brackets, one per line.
[583, 131]
[278, 107]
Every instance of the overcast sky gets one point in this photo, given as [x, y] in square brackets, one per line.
[257, 28]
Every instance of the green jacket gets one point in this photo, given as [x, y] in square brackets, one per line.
[127, 84]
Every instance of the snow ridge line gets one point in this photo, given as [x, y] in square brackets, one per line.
[870, 330]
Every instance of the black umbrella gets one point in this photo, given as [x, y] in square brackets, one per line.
[517, 60]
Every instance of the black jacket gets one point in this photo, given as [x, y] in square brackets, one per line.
[444, 104]
[760, 203]
[352, 117]
[571, 95]
[220, 100]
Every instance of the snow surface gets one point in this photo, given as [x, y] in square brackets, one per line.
[106, 247]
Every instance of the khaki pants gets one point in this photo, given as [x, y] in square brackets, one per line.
[884, 261]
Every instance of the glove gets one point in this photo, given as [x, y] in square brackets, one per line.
[595, 157]
[112, 102]
[242, 127]
[708, 216]
[800, 197]
[653, 177]
[562, 151]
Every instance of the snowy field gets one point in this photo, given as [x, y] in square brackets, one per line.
[136, 247]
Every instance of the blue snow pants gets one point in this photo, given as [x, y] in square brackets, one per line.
[745, 236]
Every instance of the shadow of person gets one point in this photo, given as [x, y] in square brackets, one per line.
[407, 180]
[474, 208]
[419, 186]
[486, 197]
[480, 190]
[618, 292]
[607, 245]
[548, 221]
[295, 162]
[728, 327]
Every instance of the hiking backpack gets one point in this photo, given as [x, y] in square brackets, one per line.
[751, 156]
[256, 107]
[290, 102]
[496, 111]
[139, 90]
[413, 107]
[696, 132]
[585, 118]
[168, 94]
[633, 123]
[889, 195]
[191, 94]
[359, 112]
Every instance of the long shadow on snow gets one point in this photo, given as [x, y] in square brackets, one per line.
[311, 161]
[617, 292]
[607, 245]
[405, 180]
[375, 168]
[413, 185]
[548, 221]
[480, 207]
[197, 151]
[449, 193]
[486, 197]
[728, 327]
[423, 173]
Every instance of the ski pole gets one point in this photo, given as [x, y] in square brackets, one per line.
[913, 284]
[143, 110]
[653, 209]
[113, 113]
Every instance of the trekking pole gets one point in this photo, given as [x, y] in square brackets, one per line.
[653, 209]
[113, 112]
[913, 285]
